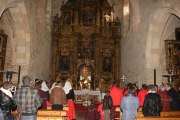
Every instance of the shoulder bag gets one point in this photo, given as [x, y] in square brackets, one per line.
[18, 115]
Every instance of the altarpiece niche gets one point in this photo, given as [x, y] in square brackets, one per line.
[172, 48]
[86, 45]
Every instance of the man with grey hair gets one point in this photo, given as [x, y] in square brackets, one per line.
[175, 103]
[33, 103]
[165, 99]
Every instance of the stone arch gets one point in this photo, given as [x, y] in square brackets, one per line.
[18, 30]
[155, 36]
[126, 17]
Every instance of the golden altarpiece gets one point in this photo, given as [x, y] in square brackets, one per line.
[172, 48]
[86, 45]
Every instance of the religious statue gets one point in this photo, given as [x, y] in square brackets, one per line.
[107, 19]
[107, 65]
[64, 63]
[85, 83]
[87, 18]
[67, 18]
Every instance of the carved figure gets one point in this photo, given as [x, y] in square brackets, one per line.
[64, 63]
[67, 18]
[107, 19]
[107, 65]
[87, 18]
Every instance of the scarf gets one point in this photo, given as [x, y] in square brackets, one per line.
[7, 92]
[151, 92]
[67, 87]
[44, 87]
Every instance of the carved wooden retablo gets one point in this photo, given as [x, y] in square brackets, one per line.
[86, 38]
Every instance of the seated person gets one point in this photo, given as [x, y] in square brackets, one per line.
[58, 97]
[152, 104]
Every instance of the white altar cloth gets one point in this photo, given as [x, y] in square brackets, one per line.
[89, 92]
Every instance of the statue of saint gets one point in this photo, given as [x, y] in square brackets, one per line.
[107, 65]
[64, 63]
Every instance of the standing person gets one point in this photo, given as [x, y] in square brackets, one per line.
[70, 97]
[33, 103]
[128, 86]
[116, 95]
[45, 88]
[142, 94]
[174, 104]
[42, 95]
[152, 104]
[58, 97]
[165, 98]
[129, 105]
[6, 101]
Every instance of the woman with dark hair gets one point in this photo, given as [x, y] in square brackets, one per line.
[129, 105]
[42, 95]
[152, 104]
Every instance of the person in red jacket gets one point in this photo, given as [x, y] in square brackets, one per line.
[142, 94]
[116, 95]
[128, 86]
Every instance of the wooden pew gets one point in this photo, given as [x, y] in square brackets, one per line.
[49, 118]
[118, 110]
[139, 112]
[60, 113]
[64, 108]
[140, 109]
[170, 113]
[158, 118]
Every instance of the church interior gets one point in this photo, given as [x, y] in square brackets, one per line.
[91, 43]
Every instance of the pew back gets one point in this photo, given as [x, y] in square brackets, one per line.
[157, 118]
[170, 113]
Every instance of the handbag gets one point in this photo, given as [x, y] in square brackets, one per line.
[18, 115]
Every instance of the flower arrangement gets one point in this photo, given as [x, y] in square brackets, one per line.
[86, 103]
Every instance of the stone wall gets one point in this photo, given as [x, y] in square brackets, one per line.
[143, 44]
[28, 26]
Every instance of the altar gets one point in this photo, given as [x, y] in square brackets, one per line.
[85, 95]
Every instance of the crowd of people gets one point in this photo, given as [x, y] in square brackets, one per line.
[150, 98]
[38, 97]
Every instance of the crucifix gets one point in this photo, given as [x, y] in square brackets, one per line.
[123, 78]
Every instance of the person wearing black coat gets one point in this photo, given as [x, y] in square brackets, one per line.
[6, 101]
[152, 104]
[175, 103]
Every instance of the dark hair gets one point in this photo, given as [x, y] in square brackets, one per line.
[144, 86]
[114, 84]
[36, 80]
[129, 85]
[7, 85]
[169, 85]
[38, 85]
[57, 83]
[131, 90]
[26, 80]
